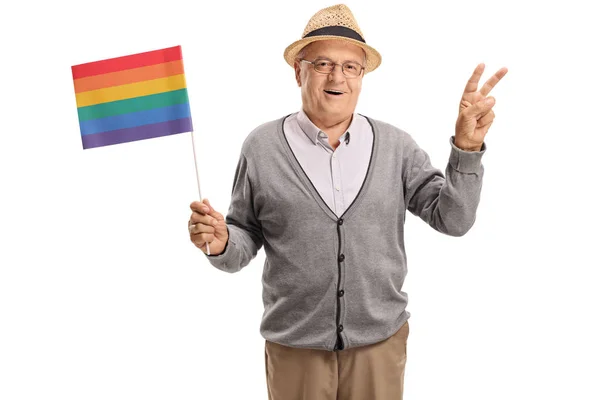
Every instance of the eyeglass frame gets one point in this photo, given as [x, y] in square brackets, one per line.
[362, 68]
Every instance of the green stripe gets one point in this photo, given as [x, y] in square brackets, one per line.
[132, 105]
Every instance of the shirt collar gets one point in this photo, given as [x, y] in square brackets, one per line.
[312, 131]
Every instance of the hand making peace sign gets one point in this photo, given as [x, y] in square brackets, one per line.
[475, 115]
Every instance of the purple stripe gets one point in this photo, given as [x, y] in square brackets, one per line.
[137, 133]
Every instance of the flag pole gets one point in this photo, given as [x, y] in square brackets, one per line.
[198, 180]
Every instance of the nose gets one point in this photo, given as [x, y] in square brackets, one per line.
[336, 74]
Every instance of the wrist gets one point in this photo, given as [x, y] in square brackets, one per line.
[467, 147]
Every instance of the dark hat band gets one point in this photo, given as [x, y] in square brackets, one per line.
[336, 31]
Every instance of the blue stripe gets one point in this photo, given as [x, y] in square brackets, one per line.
[134, 119]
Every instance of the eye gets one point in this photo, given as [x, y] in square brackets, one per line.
[352, 67]
[322, 63]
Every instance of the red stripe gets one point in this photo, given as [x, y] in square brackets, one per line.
[127, 62]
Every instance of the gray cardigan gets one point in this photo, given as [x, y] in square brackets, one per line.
[334, 282]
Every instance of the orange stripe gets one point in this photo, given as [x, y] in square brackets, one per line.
[128, 76]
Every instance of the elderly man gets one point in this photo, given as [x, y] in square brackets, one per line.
[326, 190]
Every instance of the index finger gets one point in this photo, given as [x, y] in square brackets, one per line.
[473, 82]
[489, 85]
[198, 207]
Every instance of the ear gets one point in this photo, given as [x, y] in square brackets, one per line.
[297, 71]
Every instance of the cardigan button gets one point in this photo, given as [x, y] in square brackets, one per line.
[340, 221]
[340, 328]
[340, 293]
[341, 257]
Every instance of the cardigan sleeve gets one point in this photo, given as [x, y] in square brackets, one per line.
[447, 203]
[245, 232]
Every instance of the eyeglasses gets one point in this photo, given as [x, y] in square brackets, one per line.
[350, 69]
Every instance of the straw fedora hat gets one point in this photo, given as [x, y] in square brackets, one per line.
[335, 22]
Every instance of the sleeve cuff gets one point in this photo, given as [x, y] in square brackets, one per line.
[466, 161]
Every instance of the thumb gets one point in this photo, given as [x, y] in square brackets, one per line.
[211, 211]
[480, 108]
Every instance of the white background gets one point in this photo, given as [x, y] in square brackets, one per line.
[102, 296]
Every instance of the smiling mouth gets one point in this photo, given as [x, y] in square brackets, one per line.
[334, 92]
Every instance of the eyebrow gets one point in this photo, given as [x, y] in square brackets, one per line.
[327, 58]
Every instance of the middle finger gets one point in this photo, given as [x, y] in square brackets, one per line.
[490, 83]
[203, 218]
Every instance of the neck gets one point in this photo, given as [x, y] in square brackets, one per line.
[333, 126]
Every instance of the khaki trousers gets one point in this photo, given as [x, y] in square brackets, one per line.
[372, 372]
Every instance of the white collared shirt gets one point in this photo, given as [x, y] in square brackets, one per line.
[336, 174]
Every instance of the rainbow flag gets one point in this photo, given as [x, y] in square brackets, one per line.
[134, 97]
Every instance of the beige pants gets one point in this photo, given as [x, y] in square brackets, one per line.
[372, 372]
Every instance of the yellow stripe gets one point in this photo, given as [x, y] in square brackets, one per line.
[130, 90]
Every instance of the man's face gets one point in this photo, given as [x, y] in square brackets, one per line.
[315, 100]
